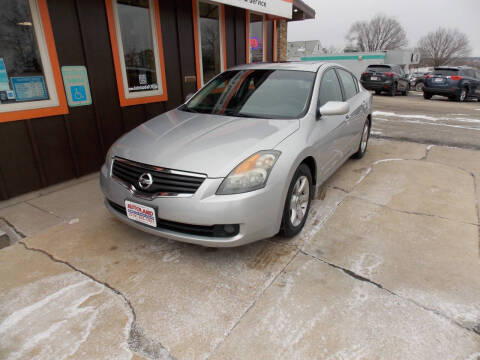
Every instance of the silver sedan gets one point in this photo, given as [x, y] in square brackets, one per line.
[242, 159]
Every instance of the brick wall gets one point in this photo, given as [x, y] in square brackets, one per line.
[282, 40]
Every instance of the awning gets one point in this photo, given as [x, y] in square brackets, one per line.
[301, 11]
[292, 10]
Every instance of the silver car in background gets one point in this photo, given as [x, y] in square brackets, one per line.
[243, 158]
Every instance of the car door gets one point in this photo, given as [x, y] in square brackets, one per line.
[402, 80]
[473, 81]
[328, 135]
[477, 83]
[356, 116]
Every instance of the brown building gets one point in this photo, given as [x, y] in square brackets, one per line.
[77, 74]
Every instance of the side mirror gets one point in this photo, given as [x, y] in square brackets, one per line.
[334, 108]
[188, 97]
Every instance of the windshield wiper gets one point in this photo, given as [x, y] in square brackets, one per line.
[190, 110]
[253, 116]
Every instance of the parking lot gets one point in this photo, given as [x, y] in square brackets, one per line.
[388, 265]
[436, 121]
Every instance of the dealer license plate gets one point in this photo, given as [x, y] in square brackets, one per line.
[373, 78]
[141, 213]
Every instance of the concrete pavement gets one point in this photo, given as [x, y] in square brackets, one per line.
[388, 266]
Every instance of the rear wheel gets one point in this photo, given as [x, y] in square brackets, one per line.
[297, 204]
[419, 87]
[393, 90]
[427, 96]
[362, 148]
[405, 92]
[463, 95]
[377, 92]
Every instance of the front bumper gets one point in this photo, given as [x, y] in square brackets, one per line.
[258, 212]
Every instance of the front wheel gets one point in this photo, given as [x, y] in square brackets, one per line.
[419, 87]
[297, 204]
[362, 148]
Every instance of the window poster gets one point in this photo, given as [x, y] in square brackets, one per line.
[4, 85]
[28, 88]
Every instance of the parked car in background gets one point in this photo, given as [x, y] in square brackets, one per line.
[456, 82]
[388, 78]
[417, 80]
[242, 159]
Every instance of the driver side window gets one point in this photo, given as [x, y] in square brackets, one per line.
[329, 88]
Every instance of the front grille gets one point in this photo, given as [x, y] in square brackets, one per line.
[201, 230]
[165, 181]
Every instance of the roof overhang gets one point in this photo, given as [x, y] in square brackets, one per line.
[301, 11]
[292, 10]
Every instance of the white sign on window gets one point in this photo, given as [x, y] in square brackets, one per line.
[281, 8]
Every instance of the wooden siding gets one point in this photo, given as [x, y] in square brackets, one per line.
[41, 152]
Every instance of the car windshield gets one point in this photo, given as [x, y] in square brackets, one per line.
[379, 68]
[276, 94]
[445, 72]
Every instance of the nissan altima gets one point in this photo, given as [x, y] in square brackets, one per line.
[242, 159]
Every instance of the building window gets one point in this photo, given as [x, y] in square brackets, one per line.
[137, 49]
[256, 37]
[209, 22]
[30, 80]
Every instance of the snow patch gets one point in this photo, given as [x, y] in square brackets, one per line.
[424, 117]
[52, 317]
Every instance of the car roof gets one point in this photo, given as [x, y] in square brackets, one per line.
[445, 67]
[312, 66]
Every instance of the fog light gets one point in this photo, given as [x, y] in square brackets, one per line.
[229, 229]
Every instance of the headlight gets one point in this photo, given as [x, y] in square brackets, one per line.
[251, 174]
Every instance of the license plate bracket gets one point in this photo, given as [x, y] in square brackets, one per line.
[141, 213]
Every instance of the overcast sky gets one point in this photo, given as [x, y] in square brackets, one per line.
[418, 17]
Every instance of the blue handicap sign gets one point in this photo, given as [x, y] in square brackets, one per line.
[78, 93]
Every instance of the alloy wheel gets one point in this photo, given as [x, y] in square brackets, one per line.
[299, 200]
[363, 144]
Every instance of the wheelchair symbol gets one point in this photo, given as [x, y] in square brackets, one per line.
[78, 93]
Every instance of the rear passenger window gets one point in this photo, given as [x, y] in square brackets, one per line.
[330, 88]
[469, 73]
[348, 84]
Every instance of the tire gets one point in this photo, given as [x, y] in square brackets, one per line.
[463, 95]
[362, 147]
[393, 90]
[405, 92]
[377, 92]
[427, 96]
[419, 87]
[292, 225]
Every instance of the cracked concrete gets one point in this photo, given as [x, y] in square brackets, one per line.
[385, 268]
[137, 341]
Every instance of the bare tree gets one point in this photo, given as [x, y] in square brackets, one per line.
[380, 33]
[443, 46]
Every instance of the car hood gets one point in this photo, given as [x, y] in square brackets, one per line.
[203, 143]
